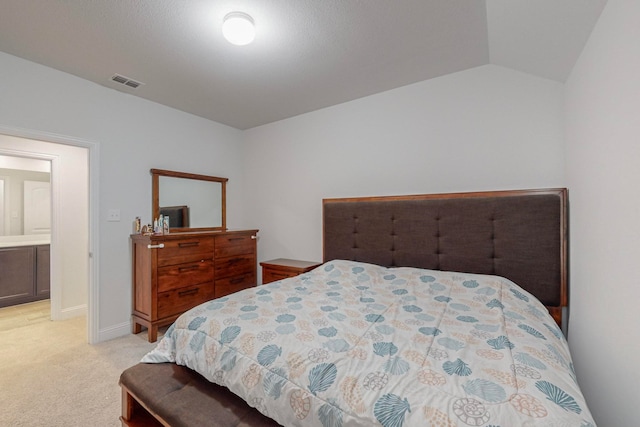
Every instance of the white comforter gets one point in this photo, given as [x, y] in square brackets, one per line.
[353, 344]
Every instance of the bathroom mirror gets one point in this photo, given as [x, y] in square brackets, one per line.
[192, 202]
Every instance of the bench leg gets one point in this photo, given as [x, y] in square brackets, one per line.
[135, 414]
[128, 403]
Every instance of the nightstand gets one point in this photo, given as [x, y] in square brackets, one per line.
[282, 268]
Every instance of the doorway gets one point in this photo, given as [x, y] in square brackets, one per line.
[73, 213]
[25, 200]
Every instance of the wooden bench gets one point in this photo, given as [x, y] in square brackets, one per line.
[166, 394]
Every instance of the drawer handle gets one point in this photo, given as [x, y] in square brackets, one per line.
[188, 244]
[189, 292]
[280, 275]
[231, 239]
[189, 268]
[236, 281]
[160, 246]
[235, 260]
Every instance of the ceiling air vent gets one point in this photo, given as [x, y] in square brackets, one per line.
[126, 81]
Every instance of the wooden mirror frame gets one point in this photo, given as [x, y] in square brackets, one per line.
[155, 194]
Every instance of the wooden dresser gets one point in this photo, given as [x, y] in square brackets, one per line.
[175, 272]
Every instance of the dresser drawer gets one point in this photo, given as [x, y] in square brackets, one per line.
[181, 275]
[178, 301]
[185, 250]
[234, 284]
[283, 268]
[234, 244]
[269, 276]
[234, 266]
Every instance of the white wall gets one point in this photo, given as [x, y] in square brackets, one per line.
[603, 172]
[26, 164]
[134, 136]
[480, 129]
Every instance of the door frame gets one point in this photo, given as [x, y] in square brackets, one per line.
[93, 172]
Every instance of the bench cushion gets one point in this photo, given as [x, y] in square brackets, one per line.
[182, 397]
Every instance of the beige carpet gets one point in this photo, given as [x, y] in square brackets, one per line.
[50, 376]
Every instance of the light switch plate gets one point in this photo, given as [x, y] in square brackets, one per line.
[113, 215]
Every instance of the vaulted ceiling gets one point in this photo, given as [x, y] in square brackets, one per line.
[308, 54]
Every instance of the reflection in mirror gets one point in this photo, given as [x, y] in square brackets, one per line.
[192, 202]
[178, 215]
[25, 197]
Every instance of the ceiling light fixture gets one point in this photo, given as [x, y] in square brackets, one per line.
[238, 28]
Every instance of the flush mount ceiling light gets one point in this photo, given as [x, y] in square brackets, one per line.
[238, 28]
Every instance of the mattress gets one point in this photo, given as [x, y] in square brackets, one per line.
[355, 344]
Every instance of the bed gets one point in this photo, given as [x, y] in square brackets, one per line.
[428, 310]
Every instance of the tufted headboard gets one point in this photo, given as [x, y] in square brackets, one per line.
[519, 234]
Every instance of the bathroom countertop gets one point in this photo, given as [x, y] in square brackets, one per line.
[29, 240]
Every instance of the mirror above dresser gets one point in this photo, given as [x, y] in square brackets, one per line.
[192, 202]
[197, 259]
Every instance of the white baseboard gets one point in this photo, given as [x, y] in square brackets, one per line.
[71, 312]
[115, 331]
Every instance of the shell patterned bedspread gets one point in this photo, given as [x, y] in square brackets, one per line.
[354, 344]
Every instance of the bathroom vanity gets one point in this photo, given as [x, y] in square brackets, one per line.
[24, 270]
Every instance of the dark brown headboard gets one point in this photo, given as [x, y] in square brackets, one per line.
[519, 234]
